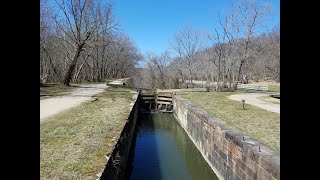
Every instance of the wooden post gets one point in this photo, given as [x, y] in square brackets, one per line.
[155, 100]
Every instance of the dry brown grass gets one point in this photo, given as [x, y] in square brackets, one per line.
[258, 123]
[55, 89]
[74, 144]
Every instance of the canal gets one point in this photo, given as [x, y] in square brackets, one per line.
[162, 150]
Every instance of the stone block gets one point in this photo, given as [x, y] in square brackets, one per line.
[250, 173]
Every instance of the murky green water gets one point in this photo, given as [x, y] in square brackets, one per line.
[162, 150]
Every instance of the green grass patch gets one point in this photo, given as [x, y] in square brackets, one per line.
[269, 99]
[248, 91]
[73, 144]
[258, 123]
[274, 88]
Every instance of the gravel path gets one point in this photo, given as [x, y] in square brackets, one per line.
[51, 106]
[251, 98]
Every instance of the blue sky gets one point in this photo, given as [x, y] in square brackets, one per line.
[152, 23]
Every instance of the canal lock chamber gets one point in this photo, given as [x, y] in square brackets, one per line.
[153, 145]
[161, 149]
[157, 145]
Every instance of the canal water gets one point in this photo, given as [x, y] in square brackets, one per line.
[162, 150]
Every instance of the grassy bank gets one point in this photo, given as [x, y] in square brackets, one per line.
[258, 123]
[55, 89]
[269, 99]
[74, 144]
[274, 88]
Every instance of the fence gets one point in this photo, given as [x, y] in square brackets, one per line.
[253, 87]
[258, 87]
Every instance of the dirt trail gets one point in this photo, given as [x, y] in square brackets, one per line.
[51, 106]
[251, 98]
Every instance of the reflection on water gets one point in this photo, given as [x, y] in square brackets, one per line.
[162, 150]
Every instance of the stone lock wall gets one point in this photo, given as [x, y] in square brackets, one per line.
[230, 153]
[117, 163]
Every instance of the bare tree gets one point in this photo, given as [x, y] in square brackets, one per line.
[247, 16]
[218, 39]
[80, 21]
[80, 39]
[156, 73]
[186, 44]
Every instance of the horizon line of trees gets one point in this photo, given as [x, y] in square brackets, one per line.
[233, 53]
[80, 40]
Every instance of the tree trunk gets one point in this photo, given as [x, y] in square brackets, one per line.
[224, 78]
[68, 76]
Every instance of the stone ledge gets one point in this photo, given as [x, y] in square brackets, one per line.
[264, 157]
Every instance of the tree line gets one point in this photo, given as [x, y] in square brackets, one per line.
[234, 52]
[80, 40]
